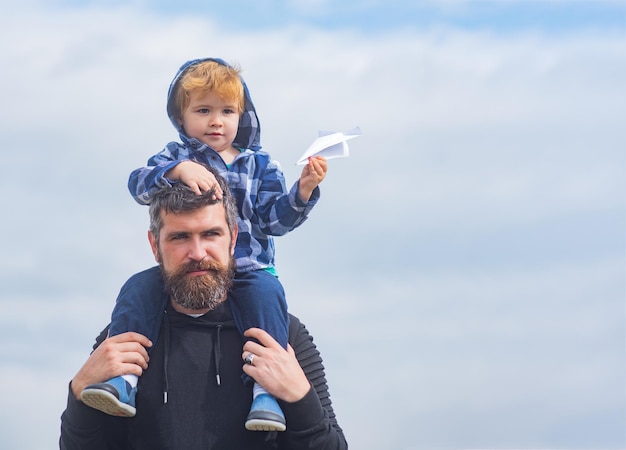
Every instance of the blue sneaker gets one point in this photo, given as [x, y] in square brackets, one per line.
[265, 415]
[115, 397]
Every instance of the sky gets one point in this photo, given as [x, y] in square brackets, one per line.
[464, 273]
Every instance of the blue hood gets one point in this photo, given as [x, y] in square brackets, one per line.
[249, 132]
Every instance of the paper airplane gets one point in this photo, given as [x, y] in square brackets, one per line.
[330, 145]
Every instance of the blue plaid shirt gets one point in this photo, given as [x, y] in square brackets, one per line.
[266, 208]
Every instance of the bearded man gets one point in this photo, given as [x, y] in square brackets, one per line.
[190, 394]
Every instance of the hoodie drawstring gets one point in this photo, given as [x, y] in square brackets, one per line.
[217, 353]
[166, 355]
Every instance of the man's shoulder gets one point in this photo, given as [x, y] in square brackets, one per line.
[296, 330]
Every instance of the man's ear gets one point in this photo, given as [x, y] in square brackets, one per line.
[233, 239]
[154, 246]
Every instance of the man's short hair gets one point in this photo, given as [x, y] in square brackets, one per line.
[179, 198]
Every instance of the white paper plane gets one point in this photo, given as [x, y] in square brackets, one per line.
[330, 145]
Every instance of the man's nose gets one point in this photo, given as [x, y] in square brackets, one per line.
[196, 250]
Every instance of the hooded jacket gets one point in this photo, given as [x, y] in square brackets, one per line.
[266, 208]
[191, 396]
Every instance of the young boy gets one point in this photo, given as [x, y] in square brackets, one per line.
[209, 104]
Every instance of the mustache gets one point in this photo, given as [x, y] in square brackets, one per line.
[193, 266]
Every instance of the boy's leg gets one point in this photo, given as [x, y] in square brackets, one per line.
[139, 307]
[258, 300]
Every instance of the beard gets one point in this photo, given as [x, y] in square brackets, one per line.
[202, 291]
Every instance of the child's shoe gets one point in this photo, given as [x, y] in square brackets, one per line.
[265, 415]
[115, 397]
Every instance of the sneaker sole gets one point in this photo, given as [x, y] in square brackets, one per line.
[107, 403]
[264, 425]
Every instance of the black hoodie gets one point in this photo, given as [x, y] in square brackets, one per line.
[197, 363]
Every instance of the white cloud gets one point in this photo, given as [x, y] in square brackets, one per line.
[498, 356]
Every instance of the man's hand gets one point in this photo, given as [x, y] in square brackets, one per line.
[196, 176]
[118, 355]
[275, 368]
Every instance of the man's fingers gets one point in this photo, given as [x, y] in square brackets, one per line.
[135, 359]
[126, 348]
[262, 336]
[131, 336]
[132, 369]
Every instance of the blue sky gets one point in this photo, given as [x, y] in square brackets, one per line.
[381, 16]
[471, 248]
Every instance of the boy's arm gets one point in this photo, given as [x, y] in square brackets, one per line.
[280, 211]
[145, 181]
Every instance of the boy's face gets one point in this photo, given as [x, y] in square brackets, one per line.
[211, 120]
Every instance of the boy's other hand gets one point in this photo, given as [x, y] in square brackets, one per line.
[312, 175]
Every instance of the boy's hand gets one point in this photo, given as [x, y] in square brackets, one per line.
[196, 176]
[312, 175]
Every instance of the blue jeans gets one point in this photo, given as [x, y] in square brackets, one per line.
[257, 299]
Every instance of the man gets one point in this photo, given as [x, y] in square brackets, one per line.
[190, 395]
